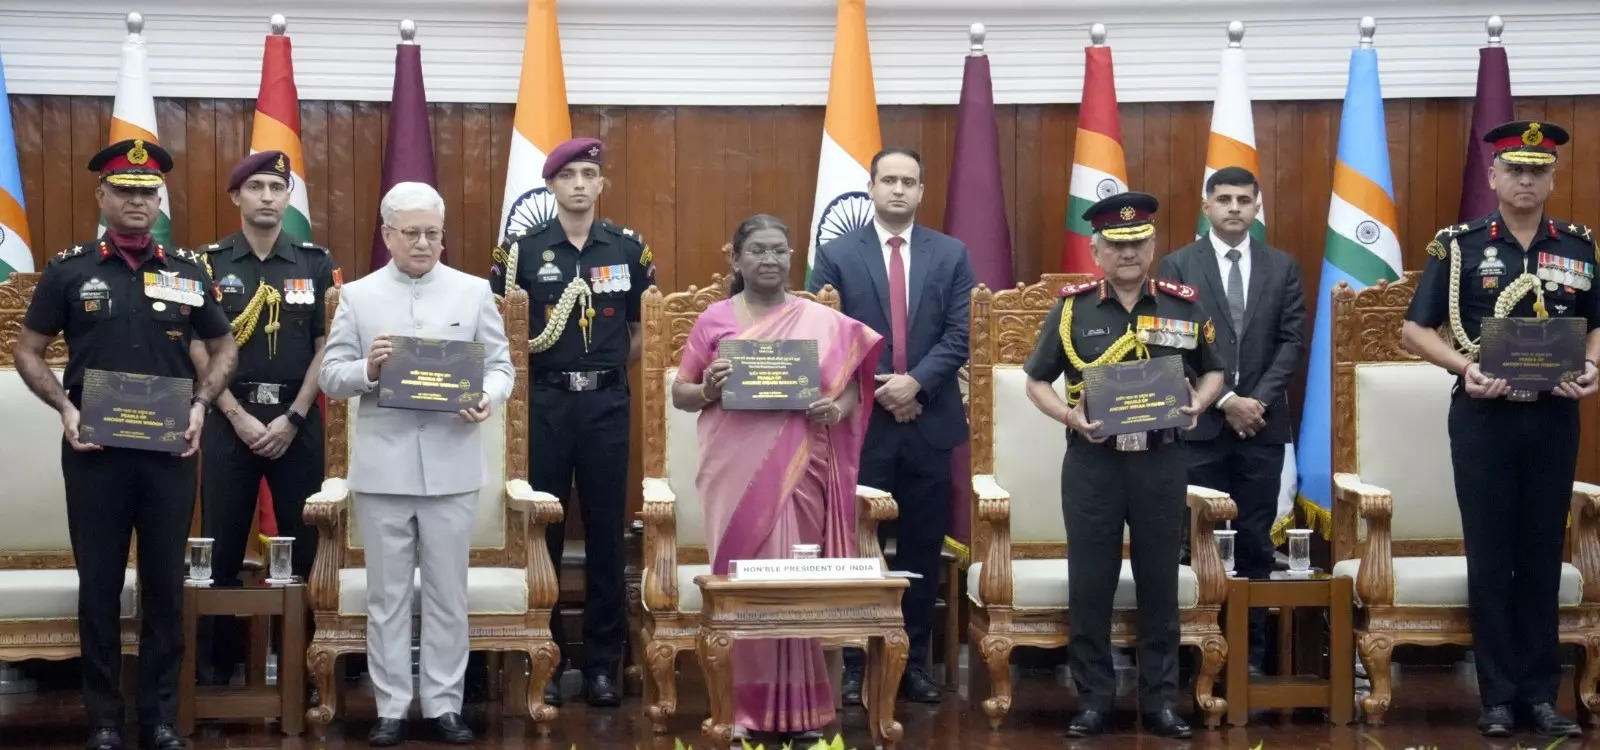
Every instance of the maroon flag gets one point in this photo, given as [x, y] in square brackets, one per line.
[1491, 108]
[408, 154]
[976, 215]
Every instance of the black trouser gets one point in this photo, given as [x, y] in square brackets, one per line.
[230, 481]
[1102, 489]
[111, 493]
[1514, 464]
[899, 460]
[1251, 472]
[585, 434]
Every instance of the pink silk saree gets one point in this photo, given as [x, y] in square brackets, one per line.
[769, 480]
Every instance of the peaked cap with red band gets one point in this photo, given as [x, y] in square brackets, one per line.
[132, 163]
[1124, 217]
[1526, 141]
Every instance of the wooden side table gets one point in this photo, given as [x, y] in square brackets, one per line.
[1337, 693]
[286, 702]
[837, 612]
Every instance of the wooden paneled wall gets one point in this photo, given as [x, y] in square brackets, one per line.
[683, 176]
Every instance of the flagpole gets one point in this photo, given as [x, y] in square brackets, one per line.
[975, 35]
[1097, 35]
[1235, 34]
[408, 31]
[1495, 27]
[1367, 27]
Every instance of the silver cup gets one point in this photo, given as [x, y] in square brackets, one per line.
[1225, 544]
[1299, 550]
[806, 551]
[200, 559]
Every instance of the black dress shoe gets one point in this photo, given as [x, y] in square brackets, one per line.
[450, 728]
[552, 691]
[104, 738]
[915, 686]
[162, 737]
[1496, 721]
[1167, 723]
[1544, 719]
[1088, 723]
[600, 690]
[387, 733]
[850, 686]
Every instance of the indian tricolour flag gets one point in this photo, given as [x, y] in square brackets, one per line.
[1098, 167]
[541, 122]
[15, 254]
[850, 134]
[133, 115]
[1361, 250]
[277, 127]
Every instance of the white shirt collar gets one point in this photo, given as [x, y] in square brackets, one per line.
[884, 234]
[1222, 248]
[400, 276]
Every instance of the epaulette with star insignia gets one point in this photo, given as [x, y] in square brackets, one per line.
[1575, 229]
[72, 252]
[1073, 290]
[1181, 291]
[645, 256]
[189, 256]
[312, 246]
[1436, 246]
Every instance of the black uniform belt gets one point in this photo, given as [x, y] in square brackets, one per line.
[1135, 441]
[265, 393]
[581, 380]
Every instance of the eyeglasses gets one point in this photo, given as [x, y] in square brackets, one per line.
[433, 236]
[762, 252]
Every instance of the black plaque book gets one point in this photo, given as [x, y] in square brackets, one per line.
[1142, 394]
[125, 410]
[1534, 354]
[432, 374]
[774, 375]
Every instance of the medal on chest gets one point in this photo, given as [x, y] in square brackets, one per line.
[1173, 334]
[1558, 271]
[607, 279]
[299, 291]
[168, 286]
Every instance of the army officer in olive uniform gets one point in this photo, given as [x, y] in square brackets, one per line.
[267, 423]
[1138, 478]
[1514, 451]
[126, 303]
[584, 277]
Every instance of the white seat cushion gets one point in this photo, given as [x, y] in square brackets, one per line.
[47, 594]
[490, 591]
[33, 494]
[683, 464]
[1442, 581]
[1028, 447]
[688, 592]
[1042, 584]
[1401, 446]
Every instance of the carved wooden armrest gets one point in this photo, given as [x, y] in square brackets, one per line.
[872, 507]
[660, 516]
[328, 511]
[538, 510]
[1584, 538]
[1206, 507]
[994, 513]
[1375, 505]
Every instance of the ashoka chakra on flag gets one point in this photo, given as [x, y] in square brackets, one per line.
[532, 208]
[845, 213]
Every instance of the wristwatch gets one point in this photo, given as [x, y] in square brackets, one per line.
[295, 418]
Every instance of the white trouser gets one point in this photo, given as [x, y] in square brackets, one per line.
[402, 533]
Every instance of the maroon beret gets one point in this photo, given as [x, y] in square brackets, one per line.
[576, 149]
[262, 162]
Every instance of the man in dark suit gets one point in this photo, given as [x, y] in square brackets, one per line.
[1252, 291]
[912, 285]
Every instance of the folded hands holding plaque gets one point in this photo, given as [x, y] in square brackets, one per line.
[1533, 355]
[1138, 395]
[431, 375]
[128, 410]
[780, 374]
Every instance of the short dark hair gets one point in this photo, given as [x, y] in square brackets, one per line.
[872, 171]
[1235, 176]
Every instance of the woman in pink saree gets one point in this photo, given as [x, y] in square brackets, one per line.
[771, 479]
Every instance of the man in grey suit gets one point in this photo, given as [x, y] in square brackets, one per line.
[913, 285]
[415, 475]
[1252, 291]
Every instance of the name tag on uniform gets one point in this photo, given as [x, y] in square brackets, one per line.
[1097, 332]
[1565, 271]
[1174, 334]
[548, 272]
[299, 292]
[606, 279]
[231, 284]
[168, 286]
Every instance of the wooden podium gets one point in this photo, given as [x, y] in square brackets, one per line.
[837, 612]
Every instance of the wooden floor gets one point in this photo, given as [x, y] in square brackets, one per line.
[1435, 707]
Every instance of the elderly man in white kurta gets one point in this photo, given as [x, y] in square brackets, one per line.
[415, 474]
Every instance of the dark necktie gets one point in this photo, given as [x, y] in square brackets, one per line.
[1235, 290]
[897, 303]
